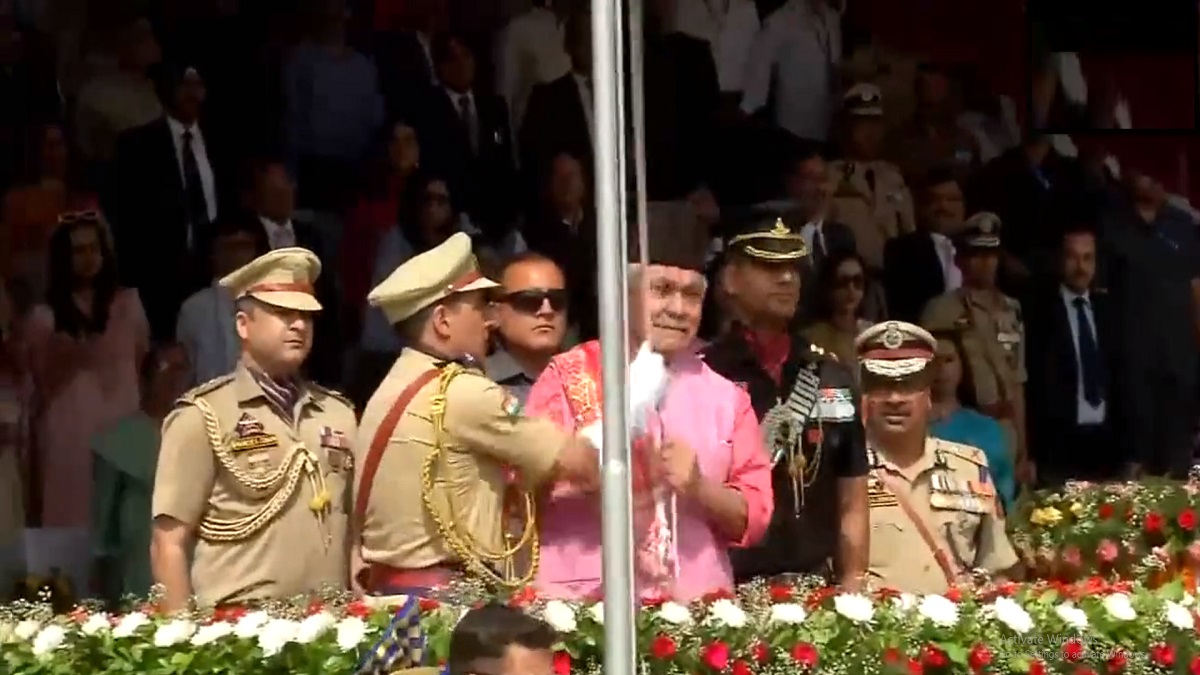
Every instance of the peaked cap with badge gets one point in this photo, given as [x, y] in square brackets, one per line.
[863, 100]
[282, 278]
[980, 232]
[428, 278]
[769, 239]
[895, 349]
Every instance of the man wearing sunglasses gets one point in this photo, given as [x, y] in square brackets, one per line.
[701, 481]
[530, 310]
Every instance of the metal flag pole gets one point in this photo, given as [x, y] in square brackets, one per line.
[620, 657]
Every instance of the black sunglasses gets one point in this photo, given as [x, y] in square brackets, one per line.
[530, 300]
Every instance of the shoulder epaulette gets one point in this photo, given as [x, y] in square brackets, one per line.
[969, 453]
[817, 351]
[334, 394]
[200, 390]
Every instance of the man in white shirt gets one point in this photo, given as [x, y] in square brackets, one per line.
[729, 27]
[798, 51]
[205, 324]
[530, 51]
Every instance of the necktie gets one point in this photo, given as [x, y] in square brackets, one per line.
[818, 253]
[197, 205]
[468, 119]
[1089, 355]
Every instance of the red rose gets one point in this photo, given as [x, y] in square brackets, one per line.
[954, 595]
[358, 608]
[662, 647]
[806, 655]
[915, 667]
[780, 593]
[1117, 662]
[933, 657]
[1163, 655]
[523, 597]
[1037, 667]
[1187, 519]
[893, 656]
[1106, 511]
[1108, 551]
[741, 668]
[819, 596]
[427, 604]
[715, 655]
[1072, 650]
[760, 652]
[314, 607]
[1153, 523]
[562, 663]
[979, 658]
[1194, 667]
[719, 594]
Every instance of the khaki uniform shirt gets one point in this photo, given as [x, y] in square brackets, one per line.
[299, 550]
[951, 490]
[484, 432]
[875, 215]
[993, 336]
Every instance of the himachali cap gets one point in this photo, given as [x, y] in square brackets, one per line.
[895, 349]
[427, 278]
[283, 278]
[863, 100]
[980, 231]
[674, 235]
[770, 240]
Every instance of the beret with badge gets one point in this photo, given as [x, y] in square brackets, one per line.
[428, 278]
[895, 350]
[282, 278]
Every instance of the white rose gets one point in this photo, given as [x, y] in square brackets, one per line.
[26, 629]
[211, 633]
[560, 616]
[938, 610]
[275, 634]
[1119, 607]
[48, 639]
[1177, 615]
[673, 612]
[173, 632]
[726, 613]
[96, 623]
[1013, 615]
[350, 633]
[1072, 616]
[788, 612]
[854, 606]
[247, 627]
[129, 624]
[596, 612]
[314, 626]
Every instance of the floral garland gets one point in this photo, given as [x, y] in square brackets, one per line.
[1090, 628]
[1148, 530]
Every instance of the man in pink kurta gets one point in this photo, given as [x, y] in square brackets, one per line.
[704, 447]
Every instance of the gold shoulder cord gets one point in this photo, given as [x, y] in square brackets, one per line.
[281, 483]
[473, 555]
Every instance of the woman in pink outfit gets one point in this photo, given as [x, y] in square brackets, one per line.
[83, 346]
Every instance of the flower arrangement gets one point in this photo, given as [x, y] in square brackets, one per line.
[1036, 629]
[1147, 530]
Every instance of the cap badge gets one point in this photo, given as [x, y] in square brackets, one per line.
[780, 228]
[892, 337]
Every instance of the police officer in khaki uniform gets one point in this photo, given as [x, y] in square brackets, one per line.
[935, 517]
[440, 441]
[870, 196]
[992, 329]
[255, 467]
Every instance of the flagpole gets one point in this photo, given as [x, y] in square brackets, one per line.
[620, 646]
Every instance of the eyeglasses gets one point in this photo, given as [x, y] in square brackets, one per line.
[530, 300]
[71, 217]
[851, 281]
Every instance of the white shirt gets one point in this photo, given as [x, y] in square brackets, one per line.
[798, 50]
[207, 183]
[279, 235]
[427, 49]
[1086, 413]
[951, 275]
[729, 27]
[585, 99]
[814, 236]
[529, 51]
[205, 328]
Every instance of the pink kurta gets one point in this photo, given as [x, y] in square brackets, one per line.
[708, 413]
[91, 400]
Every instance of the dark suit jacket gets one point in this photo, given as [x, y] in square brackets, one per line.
[325, 362]
[912, 275]
[483, 181]
[405, 74]
[1052, 389]
[145, 202]
[682, 99]
[555, 121]
[838, 238]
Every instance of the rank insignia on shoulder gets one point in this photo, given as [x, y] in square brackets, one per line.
[835, 405]
[255, 442]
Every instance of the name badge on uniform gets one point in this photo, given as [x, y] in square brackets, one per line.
[256, 442]
[332, 438]
[835, 405]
